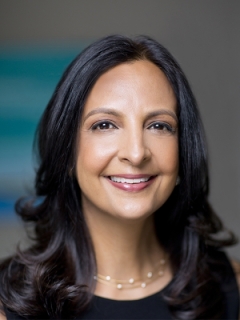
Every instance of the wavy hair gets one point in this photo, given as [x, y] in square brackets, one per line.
[53, 278]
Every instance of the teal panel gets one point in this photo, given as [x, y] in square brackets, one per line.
[28, 77]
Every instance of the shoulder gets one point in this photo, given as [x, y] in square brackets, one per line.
[2, 314]
[236, 268]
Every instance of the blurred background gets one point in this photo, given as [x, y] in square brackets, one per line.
[38, 39]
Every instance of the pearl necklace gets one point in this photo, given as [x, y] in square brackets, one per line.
[133, 283]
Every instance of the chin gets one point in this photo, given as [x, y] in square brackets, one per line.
[130, 213]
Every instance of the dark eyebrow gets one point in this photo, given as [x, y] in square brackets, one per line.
[101, 110]
[163, 112]
[117, 114]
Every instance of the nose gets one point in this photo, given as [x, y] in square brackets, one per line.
[134, 148]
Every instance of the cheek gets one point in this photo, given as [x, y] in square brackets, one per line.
[167, 155]
[172, 157]
[94, 155]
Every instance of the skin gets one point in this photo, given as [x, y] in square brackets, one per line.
[120, 221]
[119, 135]
[129, 127]
[130, 144]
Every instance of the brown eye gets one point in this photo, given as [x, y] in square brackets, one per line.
[104, 125]
[161, 126]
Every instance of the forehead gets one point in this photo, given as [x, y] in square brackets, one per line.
[134, 83]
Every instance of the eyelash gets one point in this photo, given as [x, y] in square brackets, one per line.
[97, 125]
[159, 126]
[162, 126]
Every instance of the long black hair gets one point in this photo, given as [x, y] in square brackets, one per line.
[54, 277]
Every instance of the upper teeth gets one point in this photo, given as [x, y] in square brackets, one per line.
[123, 180]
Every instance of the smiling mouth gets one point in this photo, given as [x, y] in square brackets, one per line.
[130, 181]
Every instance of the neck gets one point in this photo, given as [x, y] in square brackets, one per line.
[132, 244]
[126, 249]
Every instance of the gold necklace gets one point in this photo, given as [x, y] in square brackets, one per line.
[131, 283]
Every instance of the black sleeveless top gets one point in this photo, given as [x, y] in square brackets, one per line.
[154, 307]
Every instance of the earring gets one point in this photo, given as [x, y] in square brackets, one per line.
[178, 181]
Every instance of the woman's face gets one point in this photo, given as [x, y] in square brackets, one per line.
[127, 159]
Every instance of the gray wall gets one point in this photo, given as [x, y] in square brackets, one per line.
[202, 35]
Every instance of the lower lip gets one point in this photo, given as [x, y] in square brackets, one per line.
[132, 187]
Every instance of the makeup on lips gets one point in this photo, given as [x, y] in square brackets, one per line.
[131, 182]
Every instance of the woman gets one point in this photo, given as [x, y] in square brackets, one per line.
[123, 229]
